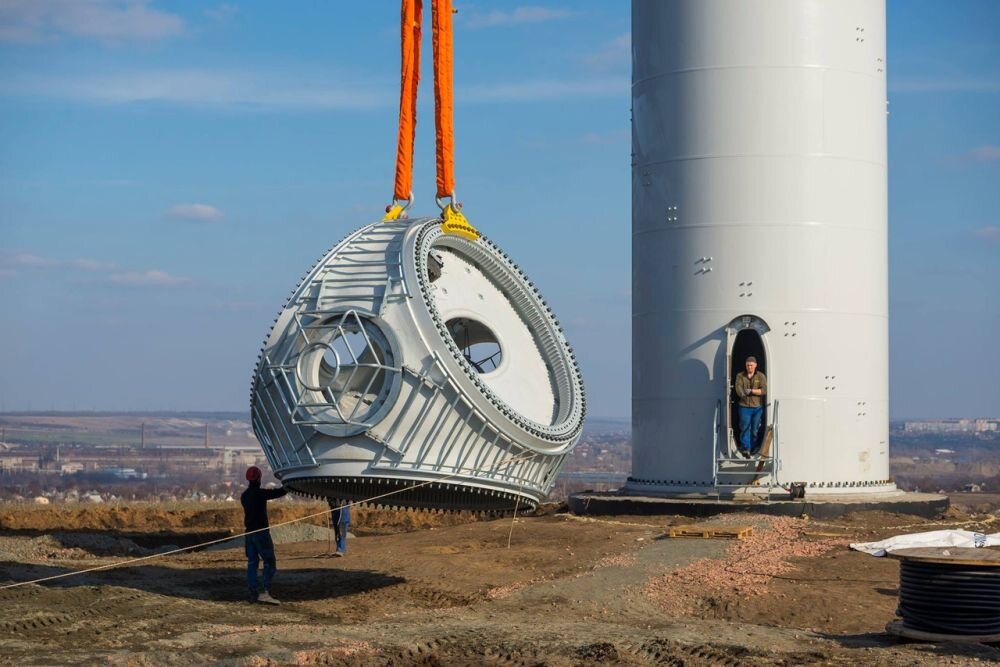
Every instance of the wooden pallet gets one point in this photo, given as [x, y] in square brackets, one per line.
[765, 451]
[711, 532]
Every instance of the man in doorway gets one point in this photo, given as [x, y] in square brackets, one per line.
[751, 386]
[259, 545]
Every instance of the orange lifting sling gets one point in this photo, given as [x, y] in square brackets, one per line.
[409, 78]
[443, 45]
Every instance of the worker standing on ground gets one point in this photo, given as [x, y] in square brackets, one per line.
[259, 545]
[340, 517]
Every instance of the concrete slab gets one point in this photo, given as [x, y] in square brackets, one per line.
[926, 505]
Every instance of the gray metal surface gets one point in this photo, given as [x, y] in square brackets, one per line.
[370, 383]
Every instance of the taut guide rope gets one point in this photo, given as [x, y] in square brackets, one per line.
[123, 563]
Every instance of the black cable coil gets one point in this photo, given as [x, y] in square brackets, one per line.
[949, 599]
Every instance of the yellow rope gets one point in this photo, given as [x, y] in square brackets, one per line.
[512, 520]
[110, 566]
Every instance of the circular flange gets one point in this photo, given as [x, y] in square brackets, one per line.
[485, 262]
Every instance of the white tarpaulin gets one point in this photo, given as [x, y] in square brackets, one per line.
[935, 538]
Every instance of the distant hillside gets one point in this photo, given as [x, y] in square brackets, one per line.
[597, 425]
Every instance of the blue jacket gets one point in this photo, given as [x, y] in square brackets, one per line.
[342, 515]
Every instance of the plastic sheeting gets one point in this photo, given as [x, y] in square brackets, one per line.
[934, 538]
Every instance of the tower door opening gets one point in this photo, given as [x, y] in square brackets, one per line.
[744, 339]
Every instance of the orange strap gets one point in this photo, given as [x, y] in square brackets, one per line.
[443, 42]
[409, 78]
[444, 103]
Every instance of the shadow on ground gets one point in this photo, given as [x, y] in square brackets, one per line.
[220, 584]
[984, 652]
[70, 537]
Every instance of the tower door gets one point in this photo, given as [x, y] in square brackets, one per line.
[745, 337]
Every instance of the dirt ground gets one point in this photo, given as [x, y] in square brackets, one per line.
[450, 589]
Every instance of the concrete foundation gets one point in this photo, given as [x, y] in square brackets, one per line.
[927, 505]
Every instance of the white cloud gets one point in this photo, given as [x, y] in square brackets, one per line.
[238, 306]
[204, 88]
[223, 12]
[11, 263]
[990, 233]
[984, 154]
[944, 86]
[150, 278]
[196, 212]
[102, 20]
[613, 55]
[546, 90]
[611, 137]
[90, 265]
[517, 16]
[113, 183]
[30, 261]
[979, 155]
[593, 138]
[271, 91]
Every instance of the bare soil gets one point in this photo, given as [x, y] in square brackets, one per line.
[567, 590]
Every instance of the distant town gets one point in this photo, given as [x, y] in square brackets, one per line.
[100, 457]
[953, 426]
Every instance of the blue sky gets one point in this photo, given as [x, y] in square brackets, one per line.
[169, 169]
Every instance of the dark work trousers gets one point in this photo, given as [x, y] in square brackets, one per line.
[260, 547]
[750, 419]
[341, 519]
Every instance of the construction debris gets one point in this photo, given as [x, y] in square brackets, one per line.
[749, 564]
[708, 531]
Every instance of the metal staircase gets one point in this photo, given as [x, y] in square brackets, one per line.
[730, 471]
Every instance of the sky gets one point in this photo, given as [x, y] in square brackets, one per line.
[168, 171]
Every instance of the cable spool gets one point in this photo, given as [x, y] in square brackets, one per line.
[948, 593]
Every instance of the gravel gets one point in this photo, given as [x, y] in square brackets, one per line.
[83, 546]
[746, 569]
[69, 546]
[291, 533]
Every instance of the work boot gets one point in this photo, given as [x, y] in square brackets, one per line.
[266, 598]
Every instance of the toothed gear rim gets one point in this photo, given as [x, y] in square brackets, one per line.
[528, 302]
[439, 495]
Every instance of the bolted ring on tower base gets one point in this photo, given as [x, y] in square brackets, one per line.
[419, 364]
[927, 505]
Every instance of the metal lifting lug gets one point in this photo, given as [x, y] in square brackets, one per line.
[454, 222]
